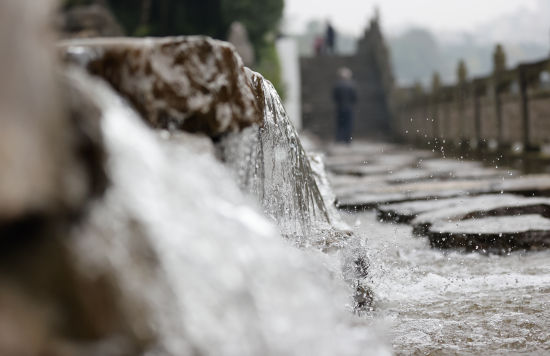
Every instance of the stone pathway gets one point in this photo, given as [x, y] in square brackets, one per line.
[453, 202]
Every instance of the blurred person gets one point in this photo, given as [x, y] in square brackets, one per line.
[345, 97]
[330, 38]
[318, 45]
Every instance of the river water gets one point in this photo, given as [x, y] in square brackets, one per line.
[435, 302]
[222, 280]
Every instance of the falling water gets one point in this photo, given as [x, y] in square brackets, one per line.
[271, 163]
[292, 187]
[198, 269]
[454, 303]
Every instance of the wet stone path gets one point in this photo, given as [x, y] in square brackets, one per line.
[458, 253]
[453, 202]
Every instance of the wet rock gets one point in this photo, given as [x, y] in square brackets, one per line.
[85, 172]
[32, 146]
[478, 207]
[363, 298]
[496, 223]
[448, 165]
[51, 160]
[364, 170]
[369, 197]
[455, 203]
[50, 146]
[374, 165]
[58, 309]
[407, 211]
[372, 176]
[88, 21]
[492, 234]
[417, 175]
[191, 83]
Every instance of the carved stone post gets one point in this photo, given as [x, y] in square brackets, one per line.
[436, 85]
[499, 66]
[462, 74]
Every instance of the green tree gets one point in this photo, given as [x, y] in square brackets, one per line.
[189, 17]
[205, 17]
[259, 17]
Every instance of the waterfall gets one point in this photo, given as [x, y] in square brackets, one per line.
[271, 164]
[198, 270]
[162, 231]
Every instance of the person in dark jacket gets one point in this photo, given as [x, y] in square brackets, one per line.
[345, 96]
[330, 39]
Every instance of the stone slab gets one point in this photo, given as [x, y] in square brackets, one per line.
[407, 211]
[366, 197]
[493, 234]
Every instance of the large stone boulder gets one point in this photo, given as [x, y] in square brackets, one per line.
[30, 118]
[51, 164]
[196, 84]
[44, 144]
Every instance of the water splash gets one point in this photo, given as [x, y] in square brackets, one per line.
[198, 270]
[271, 164]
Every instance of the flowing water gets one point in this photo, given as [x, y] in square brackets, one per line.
[452, 303]
[271, 164]
[200, 271]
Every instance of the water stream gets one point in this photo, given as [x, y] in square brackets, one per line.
[271, 164]
[199, 270]
[192, 231]
[235, 247]
[451, 303]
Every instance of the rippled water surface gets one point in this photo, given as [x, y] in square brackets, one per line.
[446, 303]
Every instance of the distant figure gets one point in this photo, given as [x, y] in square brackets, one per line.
[238, 36]
[344, 96]
[318, 45]
[330, 38]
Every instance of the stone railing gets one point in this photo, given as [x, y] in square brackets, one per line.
[509, 108]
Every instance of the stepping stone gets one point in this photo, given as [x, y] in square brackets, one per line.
[362, 148]
[492, 234]
[367, 197]
[406, 212]
[455, 203]
[364, 170]
[479, 207]
[376, 164]
[428, 211]
[446, 164]
[416, 175]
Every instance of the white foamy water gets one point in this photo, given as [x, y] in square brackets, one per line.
[451, 303]
[270, 163]
[198, 268]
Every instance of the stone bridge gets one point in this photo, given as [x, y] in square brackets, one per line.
[507, 108]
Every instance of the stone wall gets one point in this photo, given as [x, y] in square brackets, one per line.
[373, 77]
[508, 108]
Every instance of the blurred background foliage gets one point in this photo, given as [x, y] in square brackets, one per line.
[203, 17]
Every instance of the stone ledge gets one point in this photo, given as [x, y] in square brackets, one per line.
[196, 84]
